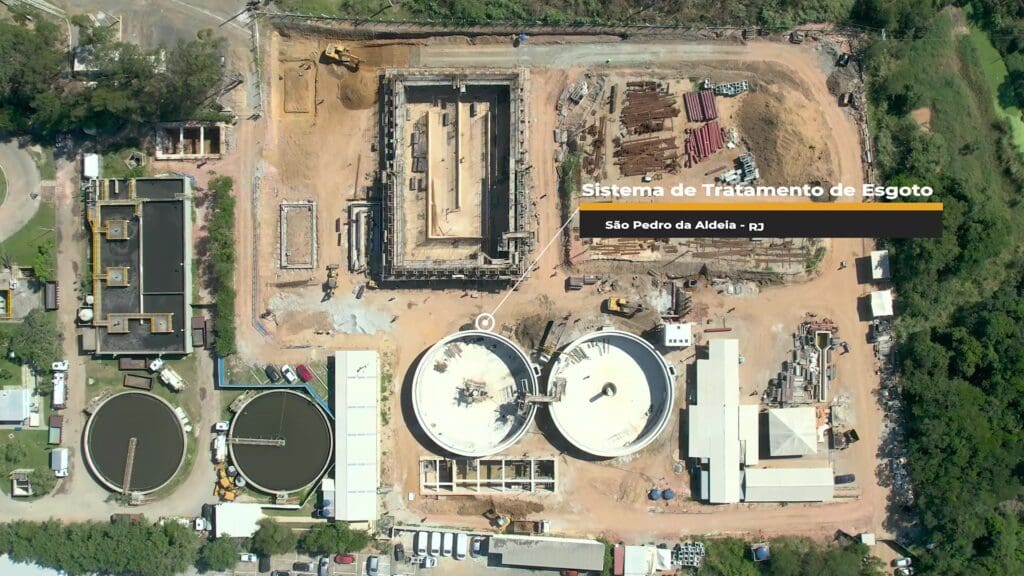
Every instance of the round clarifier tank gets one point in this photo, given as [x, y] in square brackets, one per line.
[616, 393]
[159, 442]
[280, 441]
[468, 393]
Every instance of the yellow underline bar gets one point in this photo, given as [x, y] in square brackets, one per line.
[761, 207]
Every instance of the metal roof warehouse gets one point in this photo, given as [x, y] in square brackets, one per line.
[552, 553]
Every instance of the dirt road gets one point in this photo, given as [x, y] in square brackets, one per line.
[22, 199]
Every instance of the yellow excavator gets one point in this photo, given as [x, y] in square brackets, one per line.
[338, 54]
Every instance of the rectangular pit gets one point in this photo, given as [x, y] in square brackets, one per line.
[455, 189]
[298, 235]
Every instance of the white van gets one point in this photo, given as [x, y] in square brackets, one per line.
[461, 546]
[420, 543]
[446, 547]
[435, 543]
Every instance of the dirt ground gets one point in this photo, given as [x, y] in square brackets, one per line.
[326, 155]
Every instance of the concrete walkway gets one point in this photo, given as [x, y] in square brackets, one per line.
[22, 200]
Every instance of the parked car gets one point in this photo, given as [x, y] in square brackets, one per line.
[264, 565]
[904, 571]
[435, 543]
[399, 552]
[305, 374]
[429, 562]
[447, 544]
[845, 478]
[303, 566]
[461, 546]
[247, 557]
[324, 567]
[372, 565]
[61, 366]
[902, 562]
[289, 374]
[477, 549]
[280, 573]
[272, 373]
[221, 426]
[344, 558]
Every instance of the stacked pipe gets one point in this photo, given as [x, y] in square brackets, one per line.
[646, 107]
[700, 106]
[703, 142]
[649, 155]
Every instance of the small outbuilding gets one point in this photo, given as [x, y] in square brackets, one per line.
[879, 265]
[881, 303]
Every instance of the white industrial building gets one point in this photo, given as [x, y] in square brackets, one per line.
[792, 431]
[722, 434]
[879, 265]
[236, 519]
[677, 334]
[788, 484]
[550, 553]
[356, 469]
[881, 303]
[646, 560]
[15, 405]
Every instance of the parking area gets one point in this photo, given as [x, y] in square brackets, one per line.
[286, 563]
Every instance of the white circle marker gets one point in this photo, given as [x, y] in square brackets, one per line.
[485, 322]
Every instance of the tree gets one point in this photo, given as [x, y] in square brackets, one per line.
[273, 538]
[15, 452]
[333, 538]
[42, 480]
[37, 341]
[218, 555]
[44, 265]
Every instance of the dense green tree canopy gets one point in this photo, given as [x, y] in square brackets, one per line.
[273, 538]
[36, 341]
[333, 538]
[218, 555]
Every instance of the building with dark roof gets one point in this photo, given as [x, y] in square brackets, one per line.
[141, 266]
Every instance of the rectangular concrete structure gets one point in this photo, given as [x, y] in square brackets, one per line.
[455, 175]
[550, 553]
[141, 244]
[494, 476]
[788, 484]
[356, 467]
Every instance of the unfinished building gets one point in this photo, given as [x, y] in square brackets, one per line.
[455, 176]
[190, 140]
[141, 263]
[489, 476]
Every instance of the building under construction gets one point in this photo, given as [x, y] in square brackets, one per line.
[455, 176]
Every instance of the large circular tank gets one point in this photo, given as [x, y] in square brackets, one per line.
[159, 441]
[280, 441]
[467, 393]
[616, 393]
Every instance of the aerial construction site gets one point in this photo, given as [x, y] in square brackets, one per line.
[418, 197]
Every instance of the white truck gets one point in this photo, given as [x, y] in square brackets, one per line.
[59, 398]
[220, 448]
[167, 375]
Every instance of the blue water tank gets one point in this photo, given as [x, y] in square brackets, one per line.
[668, 494]
[654, 494]
[761, 554]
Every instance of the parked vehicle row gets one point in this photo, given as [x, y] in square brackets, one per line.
[455, 545]
[289, 374]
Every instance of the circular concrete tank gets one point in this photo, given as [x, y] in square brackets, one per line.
[159, 441]
[280, 441]
[616, 392]
[467, 393]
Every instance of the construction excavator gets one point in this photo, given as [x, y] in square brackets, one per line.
[621, 307]
[339, 54]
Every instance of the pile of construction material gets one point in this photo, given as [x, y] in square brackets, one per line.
[732, 88]
[647, 106]
[700, 106]
[703, 142]
[647, 156]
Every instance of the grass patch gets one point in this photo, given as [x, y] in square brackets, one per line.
[3, 186]
[994, 72]
[10, 373]
[22, 248]
[44, 162]
[35, 454]
[114, 165]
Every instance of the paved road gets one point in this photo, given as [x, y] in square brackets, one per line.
[22, 176]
